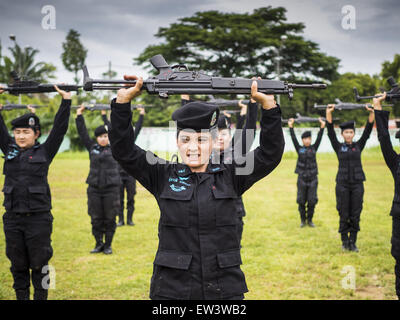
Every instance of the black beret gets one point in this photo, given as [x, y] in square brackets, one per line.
[223, 122]
[196, 116]
[306, 134]
[347, 125]
[398, 134]
[100, 130]
[28, 120]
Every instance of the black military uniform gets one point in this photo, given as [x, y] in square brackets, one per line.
[28, 220]
[392, 160]
[103, 188]
[307, 180]
[128, 184]
[239, 141]
[199, 251]
[349, 183]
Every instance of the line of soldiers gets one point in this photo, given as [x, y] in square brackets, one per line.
[200, 225]
[349, 179]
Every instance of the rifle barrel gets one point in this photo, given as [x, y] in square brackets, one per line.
[12, 106]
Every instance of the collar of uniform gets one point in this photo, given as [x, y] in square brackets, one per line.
[14, 145]
[183, 170]
[214, 168]
[99, 147]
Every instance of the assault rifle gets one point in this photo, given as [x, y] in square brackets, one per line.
[339, 105]
[178, 79]
[392, 95]
[12, 106]
[303, 119]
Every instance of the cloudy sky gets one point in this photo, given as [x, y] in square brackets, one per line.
[119, 30]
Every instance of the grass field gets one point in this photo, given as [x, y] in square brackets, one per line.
[280, 260]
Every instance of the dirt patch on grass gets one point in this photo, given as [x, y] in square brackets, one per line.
[374, 291]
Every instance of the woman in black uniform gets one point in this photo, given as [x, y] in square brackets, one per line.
[350, 177]
[199, 251]
[28, 220]
[307, 170]
[103, 185]
[392, 160]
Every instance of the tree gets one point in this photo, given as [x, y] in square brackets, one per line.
[23, 61]
[233, 45]
[74, 54]
[391, 69]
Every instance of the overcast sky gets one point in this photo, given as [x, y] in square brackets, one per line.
[119, 30]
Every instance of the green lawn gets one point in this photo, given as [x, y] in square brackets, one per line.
[280, 260]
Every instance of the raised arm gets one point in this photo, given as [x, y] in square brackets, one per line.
[382, 118]
[60, 125]
[241, 118]
[139, 123]
[320, 134]
[331, 131]
[105, 119]
[265, 158]
[246, 136]
[185, 98]
[135, 161]
[82, 130]
[367, 130]
[293, 135]
[5, 138]
[390, 156]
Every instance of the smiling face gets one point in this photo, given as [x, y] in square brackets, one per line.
[102, 140]
[223, 139]
[348, 135]
[195, 149]
[25, 138]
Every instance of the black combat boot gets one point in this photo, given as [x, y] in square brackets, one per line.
[302, 210]
[345, 241]
[107, 245]
[120, 220]
[99, 244]
[310, 214]
[22, 294]
[352, 242]
[40, 294]
[129, 221]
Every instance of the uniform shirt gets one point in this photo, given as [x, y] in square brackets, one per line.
[349, 155]
[306, 166]
[199, 251]
[103, 168]
[26, 188]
